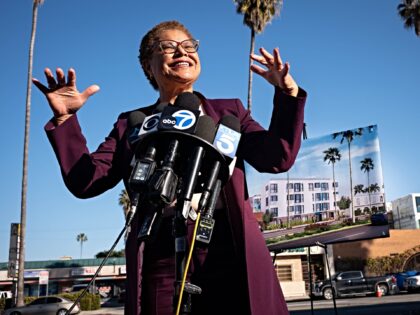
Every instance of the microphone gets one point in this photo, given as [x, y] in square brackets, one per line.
[183, 115]
[134, 123]
[227, 136]
[205, 130]
[227, 139]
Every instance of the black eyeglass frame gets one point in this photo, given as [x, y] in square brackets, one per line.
[195, 46]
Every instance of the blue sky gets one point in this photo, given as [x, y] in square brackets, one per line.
[358, 64]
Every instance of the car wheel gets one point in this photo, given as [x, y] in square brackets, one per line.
[62, 312]
[328, 293]
[383, 288]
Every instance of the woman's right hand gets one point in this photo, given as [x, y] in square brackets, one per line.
[63, 96]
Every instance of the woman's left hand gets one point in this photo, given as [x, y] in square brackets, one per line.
[276, 73]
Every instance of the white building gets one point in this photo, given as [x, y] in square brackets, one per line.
[304, 198]
[255, 203]
[406, 212]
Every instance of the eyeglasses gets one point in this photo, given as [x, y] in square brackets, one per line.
[170, 46]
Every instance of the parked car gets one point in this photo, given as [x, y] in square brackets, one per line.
[351, 283]
[412, 283]
[49, 305]
[379, 219]
[401, 277]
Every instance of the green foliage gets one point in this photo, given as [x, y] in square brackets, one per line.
[2, 303]
[385, 264]
[89, 302]
[118, 253]
[344, 203]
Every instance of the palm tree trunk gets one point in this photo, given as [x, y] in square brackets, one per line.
[368, 189]
[351, 186]
[21, 270]
[251, 51]
[335, 198]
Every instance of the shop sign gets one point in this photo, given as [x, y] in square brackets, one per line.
[85, 271]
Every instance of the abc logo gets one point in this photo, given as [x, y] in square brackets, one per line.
[168, 121]
[184, 119]
[151, 123]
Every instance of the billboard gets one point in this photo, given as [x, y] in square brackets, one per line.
[333, 193]
[12, 269]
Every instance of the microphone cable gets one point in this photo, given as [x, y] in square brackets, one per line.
[187, 265]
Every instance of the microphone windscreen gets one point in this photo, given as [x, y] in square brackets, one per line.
[188, 100]
[231, 122]
[206, 128]
[159, 108]
[135, 119]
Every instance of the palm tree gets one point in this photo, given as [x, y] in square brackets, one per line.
[257, 14]
[124, 201]
[366, 166]
[21, 268]
[359, 189]
[82, 237]
[333, 155]
[374, 187]
[348, 136]
[409, 12]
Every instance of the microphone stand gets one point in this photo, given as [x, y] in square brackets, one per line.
[130, 217]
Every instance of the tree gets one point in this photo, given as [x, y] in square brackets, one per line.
[333, 155]
[374, 187]
[344, 203]
[359, 189]
[257, 14]
[409, 11]
[124, 201]
[118, 253]
[82, 237]
[348, 136]
[21, 268]
[366, 166]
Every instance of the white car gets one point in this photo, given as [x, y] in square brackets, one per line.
[412, 283]
[50, 305]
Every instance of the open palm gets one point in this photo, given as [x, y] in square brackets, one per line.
[62, 95]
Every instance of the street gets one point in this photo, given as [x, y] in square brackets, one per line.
[401, 304]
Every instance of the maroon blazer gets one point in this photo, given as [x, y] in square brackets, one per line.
[274, 150]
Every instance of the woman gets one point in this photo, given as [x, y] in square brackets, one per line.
[235, 272]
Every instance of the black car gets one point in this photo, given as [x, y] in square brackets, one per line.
[379, 219]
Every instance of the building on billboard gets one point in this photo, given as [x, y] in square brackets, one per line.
[301, 198]
[406, 212]
[255, 203]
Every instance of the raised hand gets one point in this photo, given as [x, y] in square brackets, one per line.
[63, 96]
[276, 72]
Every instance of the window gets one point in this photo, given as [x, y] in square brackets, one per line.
[273, 188]
[266, 201]
[284, 272]
[273, 198]
[335, 184]
[266, 188]
[317, 185]
[289, 186]
[418, 204]
[324, 186]
[299, 198]
[311, 186]
[351, 275]
[275, 211]
[298, 187]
